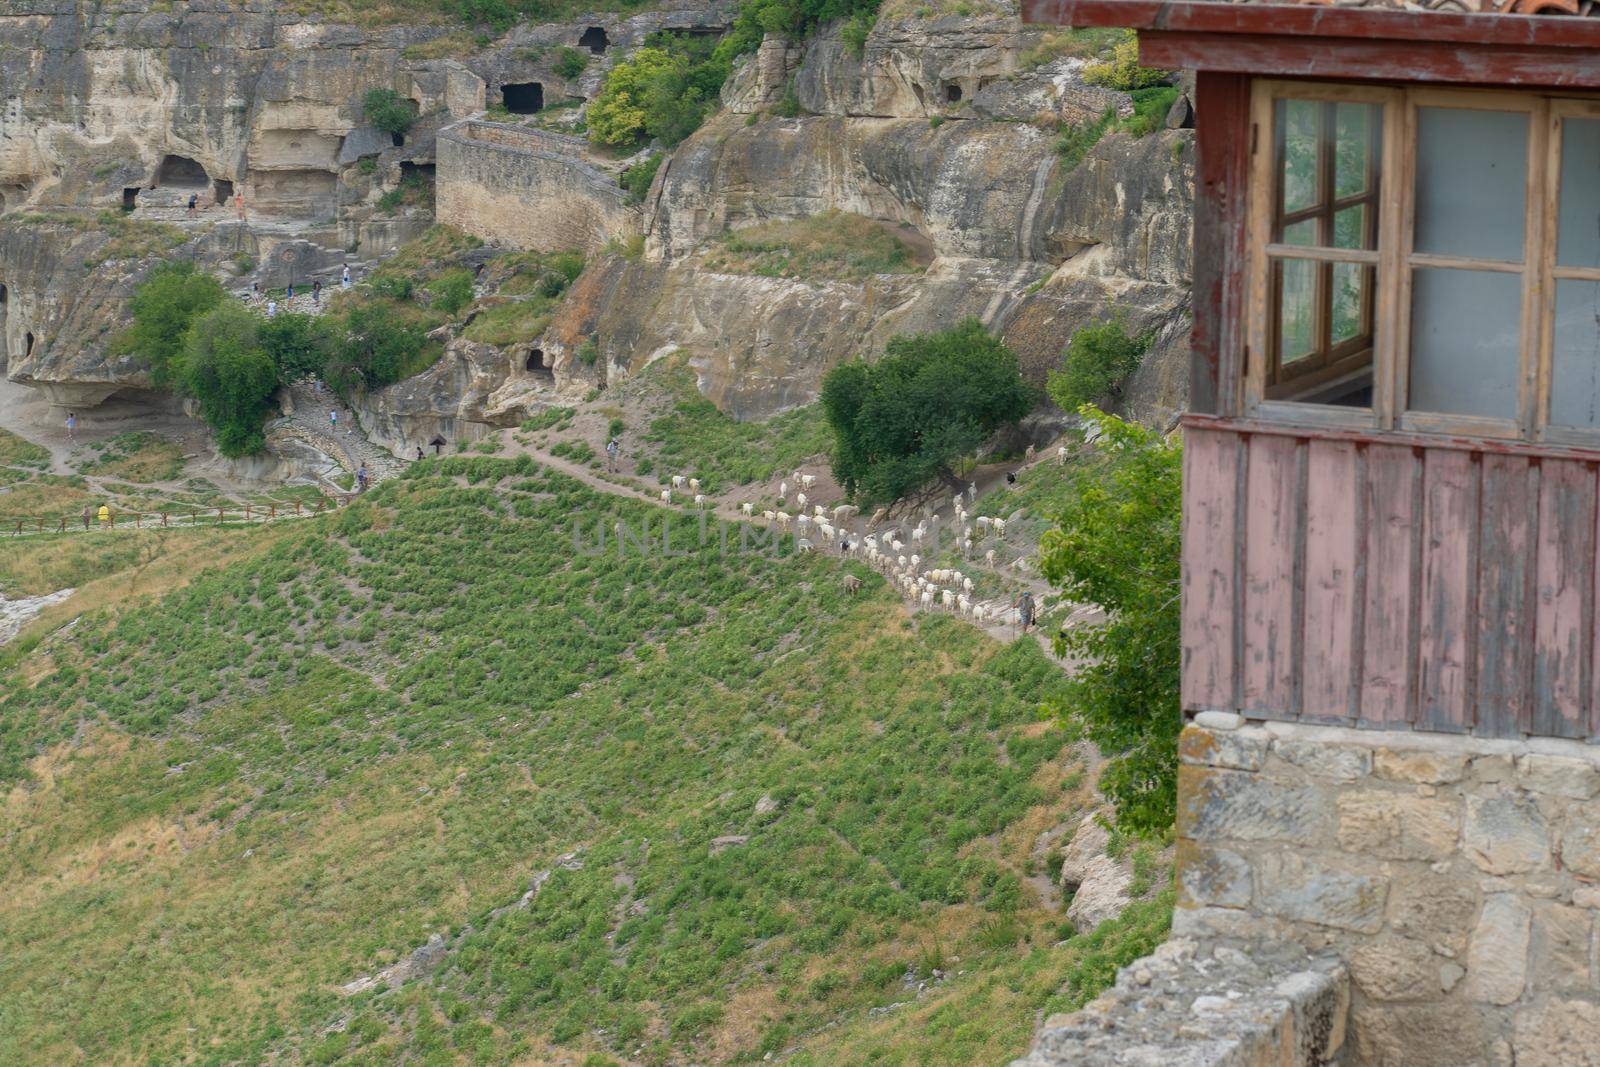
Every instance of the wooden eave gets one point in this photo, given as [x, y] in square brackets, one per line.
[1315, 40]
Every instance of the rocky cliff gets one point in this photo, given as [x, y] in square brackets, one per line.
[941, 130]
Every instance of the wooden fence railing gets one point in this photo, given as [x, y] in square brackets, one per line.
[121, 519]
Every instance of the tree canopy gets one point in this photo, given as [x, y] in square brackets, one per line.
[1116, 545]
[227, 369]
[901, 421]
[164, 304]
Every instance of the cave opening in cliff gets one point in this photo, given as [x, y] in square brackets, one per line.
[595, 40]
[952, 93]
[181, 171]
[423, 171]
[522, 98]
[130, 199]
[535, 364]
[222, 188]
[27, 344]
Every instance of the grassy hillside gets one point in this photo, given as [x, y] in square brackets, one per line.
[687, 808]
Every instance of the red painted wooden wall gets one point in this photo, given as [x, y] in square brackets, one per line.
[1390, 582]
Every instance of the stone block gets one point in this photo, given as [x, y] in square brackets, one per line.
[1233, 750]
[1497, 961]
[1436, 910]
[1343, 763]
[1215, 804]
[1580, 841]
[1421, 1035]
[1494, 768]
[1561, 1033]
[1292, 887]
[1506, 834]
[1394, 968]
[1398, 826]
[1419, 765]
[1561, 947]
[1219, 720]
[1558, 776]
[1213, 876]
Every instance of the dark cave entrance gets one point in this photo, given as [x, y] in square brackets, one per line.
[27, 345]
[595, 40]
[522, 98]
[181, 171]
[424, 171]
[130, 199]
[222, 189]
[952, 93]
[535, 363]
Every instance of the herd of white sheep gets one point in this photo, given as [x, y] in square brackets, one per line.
[885, 548]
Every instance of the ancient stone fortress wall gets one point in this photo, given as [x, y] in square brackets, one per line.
[529, 188]
[1455, 877]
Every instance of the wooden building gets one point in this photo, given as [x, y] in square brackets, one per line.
[1393, 454]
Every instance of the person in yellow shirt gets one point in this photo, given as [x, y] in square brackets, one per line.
[105, 516]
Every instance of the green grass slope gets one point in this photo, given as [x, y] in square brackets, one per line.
[220, 807]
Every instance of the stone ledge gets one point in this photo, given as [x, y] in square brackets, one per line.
[1188, 1005]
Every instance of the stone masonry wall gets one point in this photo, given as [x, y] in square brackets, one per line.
[528, 189]
[1455, 876]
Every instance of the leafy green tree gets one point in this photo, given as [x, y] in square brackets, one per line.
[227, 369]
[375, 349]
[932, 398]
[298, 344]
[388, 111]
[637, 178]
[1122, 70]
[1116, 545]
[163, 306]
[620, 114]
[1100, 357]
[662, 92]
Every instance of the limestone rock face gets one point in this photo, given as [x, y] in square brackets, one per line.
[471, 389]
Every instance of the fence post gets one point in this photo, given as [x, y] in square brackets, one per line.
[63, 528]
[138, 520]
[219, 514]
[274, 513]
[247, 513]
[297, 509]
[19, 527]
[163, 520]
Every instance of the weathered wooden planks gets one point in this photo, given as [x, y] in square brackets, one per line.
[1272, 520]
[1329, 678]
[1391, 586]
[1210, 490]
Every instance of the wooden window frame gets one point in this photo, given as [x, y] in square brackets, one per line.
[1395, 262]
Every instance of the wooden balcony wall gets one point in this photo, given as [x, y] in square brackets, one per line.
[1387, 582]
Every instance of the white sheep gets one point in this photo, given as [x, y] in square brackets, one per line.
[916, 561]
[802, 522]
[871, 543]
[899, 546]
[748, 508]
[666, 496]
[819, 511]
[783, 520]
[694, 483]
[808, 480]
[901, 561]
[999, 527]
[802, 545]
[963, 605]
[699, 500]
[769, 516]
[800, 498]
[989, 557]
[966, 585]
[677, 481]
[972, 492]
[966, 547]
[919, 533]
[947, 599]
[979, 614]
[845, 511]
[783, 490]
[1061, 456]
[984, 522]
[927, 599]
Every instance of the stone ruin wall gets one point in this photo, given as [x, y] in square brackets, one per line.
[528, 189]
[1457, 878]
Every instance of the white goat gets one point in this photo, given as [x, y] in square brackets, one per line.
[800, 498]
[699, 500]
[808, 480]
[666, 496]
[677, 481]
[748, 508]
[694, 483]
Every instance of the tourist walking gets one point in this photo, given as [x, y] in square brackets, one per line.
[344, 276]
[72, 426]
[105, 517]
[611, 456]
[194, 200]
[88, 515]
[361, 479]
[1025, 610]
[316, 293]
[333, 420]
[419, 453]
[272, 308]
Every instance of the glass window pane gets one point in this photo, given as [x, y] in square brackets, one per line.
[1301, 123]
[1350, 228]
[1466, 338]
[1471, 182]
[1297, 310]
[1303, 232]
[1352, 288]
[1575, 364]
[1578, 239]
[1354, 126]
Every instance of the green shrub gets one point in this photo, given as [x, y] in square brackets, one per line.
[298, 344]
[661, 92]
[163, 306]
[855, 32]
[1074, 141]
[225, 367]
[377, 348]
[1150, 107]
[932, 398]
[452, 290]
[788, 105]
[1122, 70]
[1100, 357]
[388, 111]
[588, 352]
[637, 178]
[571, 62]
[1116, 546]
